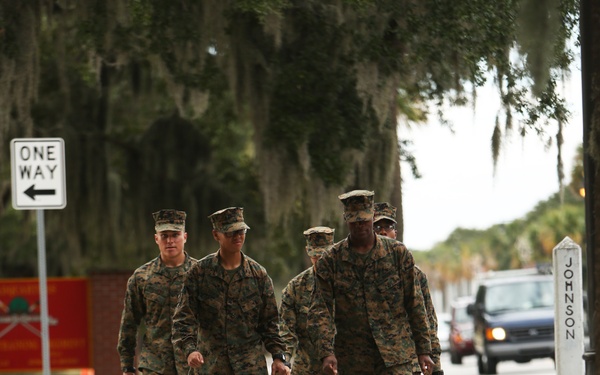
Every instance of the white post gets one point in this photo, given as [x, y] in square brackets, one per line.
[568, 308]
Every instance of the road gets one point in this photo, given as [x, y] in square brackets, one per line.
[469, 367]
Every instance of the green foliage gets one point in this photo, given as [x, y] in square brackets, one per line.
[316, 103]
[407, 156]
[521, 243]
[261, 8]
[273, 105]
[19, 244]
[10, 17]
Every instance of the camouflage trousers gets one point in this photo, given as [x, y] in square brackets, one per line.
[372, 364]
[145, 371]
[219, 363]
[220, 366]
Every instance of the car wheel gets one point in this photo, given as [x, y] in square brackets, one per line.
[486, 365]
[455, 358]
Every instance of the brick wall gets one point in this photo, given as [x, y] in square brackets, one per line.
[107, 290]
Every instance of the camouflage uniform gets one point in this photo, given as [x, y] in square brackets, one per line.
[377, 303]
[436, 349]
[368, 310]
[235, 318]
[385, 211]
[151, 297]
[295, 303]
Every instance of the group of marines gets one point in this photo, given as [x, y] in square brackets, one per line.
[363, 307]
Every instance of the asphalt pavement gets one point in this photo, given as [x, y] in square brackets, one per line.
[469, 367]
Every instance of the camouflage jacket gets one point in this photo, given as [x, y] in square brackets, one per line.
[392, 300]
[233, 318]
[436, 349]
[295, 302]
[151, 297]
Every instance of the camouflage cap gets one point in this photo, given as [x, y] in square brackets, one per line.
[384, 210]
[228, 220]
[169, 219]
[358, 205]
[318, 240]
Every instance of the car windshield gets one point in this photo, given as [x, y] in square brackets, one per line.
[461, 316]
[526, 295]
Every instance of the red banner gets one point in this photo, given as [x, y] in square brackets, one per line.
[68, 324]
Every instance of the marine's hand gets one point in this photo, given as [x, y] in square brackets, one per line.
[330, 365]
[278, 367]
[195, 359]
[426, 364]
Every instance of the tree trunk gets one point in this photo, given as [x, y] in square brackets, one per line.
[590, 36]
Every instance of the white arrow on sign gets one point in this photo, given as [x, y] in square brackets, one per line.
[38, 173]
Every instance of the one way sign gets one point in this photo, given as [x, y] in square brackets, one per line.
[38, 173]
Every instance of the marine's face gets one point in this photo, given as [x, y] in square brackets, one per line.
[361, 230]
[386, 228]
[230, 242]
[170, 243]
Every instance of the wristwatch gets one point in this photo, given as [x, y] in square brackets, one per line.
[129, 369]
[281, 356]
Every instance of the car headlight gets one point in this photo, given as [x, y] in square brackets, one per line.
[497, 334]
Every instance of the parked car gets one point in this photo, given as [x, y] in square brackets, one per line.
[461, 330]
[513, 319]
[444, 330]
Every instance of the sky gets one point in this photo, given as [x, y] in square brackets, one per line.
[459, 188]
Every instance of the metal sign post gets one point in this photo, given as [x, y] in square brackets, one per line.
[43, 292]
[39, 182]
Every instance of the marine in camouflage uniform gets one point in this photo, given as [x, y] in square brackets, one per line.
[367, 314]
[384, 222]
[436, 349]
[228, 298]
[151, 297]
[295, 302]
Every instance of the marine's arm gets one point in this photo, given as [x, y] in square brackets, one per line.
[436, 349]
[287, 311]
[321, 323]
[415, 305]
[131, 317]
[185, 317]
[268, 326]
